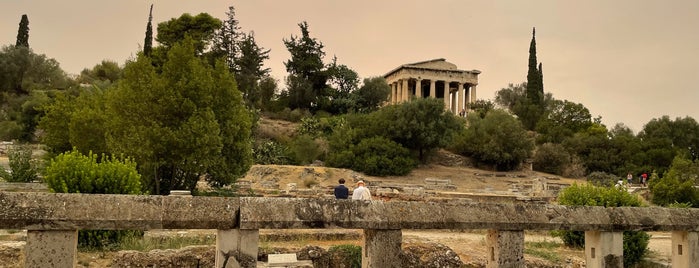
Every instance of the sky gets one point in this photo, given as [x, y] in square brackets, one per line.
[628, 61]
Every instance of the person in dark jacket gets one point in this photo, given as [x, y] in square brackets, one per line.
[341, 191]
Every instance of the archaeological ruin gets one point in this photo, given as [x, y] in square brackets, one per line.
[435, 78]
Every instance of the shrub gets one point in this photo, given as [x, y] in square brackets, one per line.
[350, 255]
[677, 184]
[305, 149]
[271, 153]
[21, 164]
[602, 179]
[379, 156]
[10, 130]
[635, 242]
[73, 172]
[551, 158]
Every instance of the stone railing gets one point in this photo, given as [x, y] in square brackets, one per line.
[51, 221]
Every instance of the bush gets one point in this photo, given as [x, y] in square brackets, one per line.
[305, 149]
[73, 172]
[551, 158]
[350, 255]
[271, 153]
[21, 164]
[602, 179]
[379, 156]
[10, 130]
[635, 242]
[677, 184]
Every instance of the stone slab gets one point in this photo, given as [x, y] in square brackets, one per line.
[281, 260]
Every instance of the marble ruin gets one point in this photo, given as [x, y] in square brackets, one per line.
[435, 78]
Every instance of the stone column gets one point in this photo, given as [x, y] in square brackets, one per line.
[234, 246]
[433, 88]
[462, 94]
[394, 92]
[473, 93]
[381, 248]
[505, 249]
[406, 96]
[418, 88]
[685, 249]
[446, 95]
[604, 249]
[51, 249]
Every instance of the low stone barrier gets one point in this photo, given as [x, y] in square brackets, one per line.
[52, 221]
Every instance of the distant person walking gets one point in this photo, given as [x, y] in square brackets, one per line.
[644, 179]
[629, 178]
[361, 192]
[341, 191]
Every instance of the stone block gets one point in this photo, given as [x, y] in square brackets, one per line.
[57, 248]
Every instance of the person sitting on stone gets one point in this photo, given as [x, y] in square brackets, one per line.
[341, 191]
[361, 192]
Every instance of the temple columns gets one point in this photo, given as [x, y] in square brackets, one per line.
[418, 88]
[433, 88]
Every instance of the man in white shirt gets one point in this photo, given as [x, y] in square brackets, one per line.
[361, 192]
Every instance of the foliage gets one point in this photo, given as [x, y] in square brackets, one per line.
[602, 179]
[534, 105]
[379, 156]
[498, 139]
[371, 95]
[352, 255]
[482, 107]
[73, 172]
[199, 28]
[185, 122]
[271, 153]
[562, 120]
[543, 249]
[677, 184]
[148, 40]
[22, 71]
[306, 149]
[306, 83]
[102, 75]
[420, 125]
[551, 158]
[635, 242]
[23, 168]
[250, 70]
[23, 32]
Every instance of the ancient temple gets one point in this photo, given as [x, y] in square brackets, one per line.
[435, 78]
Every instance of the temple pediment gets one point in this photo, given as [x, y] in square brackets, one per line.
[441, 64]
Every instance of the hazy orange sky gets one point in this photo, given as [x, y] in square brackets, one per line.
[628, 61]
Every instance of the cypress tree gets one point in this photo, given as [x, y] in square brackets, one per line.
[23, 32]
[533, 107]
[148, 42]
[535, 85]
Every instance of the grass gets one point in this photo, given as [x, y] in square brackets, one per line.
[166, 242]
[543, 249]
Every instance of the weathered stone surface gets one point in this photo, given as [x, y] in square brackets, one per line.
[292, 213]
[50, 211]
[47, 211]
[191, 256]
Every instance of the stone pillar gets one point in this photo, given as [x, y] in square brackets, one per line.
[473, 93]
[685, 249]
[51, 249]
[394, 92]
[406, 96]
[418, 88]
[505, 249]
[604, 249]
[381, 248]
[462, 94]
[433, 88]
[446, 95]
[236, 245]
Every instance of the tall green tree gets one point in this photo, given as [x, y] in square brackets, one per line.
[148, 41]
[199, 28]
[307, 85]
[251, 69]
[371, 95]
[23, 32]
[533, 107]
[183, 123]
[421, 125]
[498, 139]
[227, 41]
